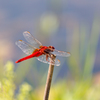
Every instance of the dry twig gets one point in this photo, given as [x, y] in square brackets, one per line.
[49, 79]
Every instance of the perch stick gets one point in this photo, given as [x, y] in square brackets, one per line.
[49, 79]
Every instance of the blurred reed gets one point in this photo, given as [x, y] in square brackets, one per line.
[83, 49]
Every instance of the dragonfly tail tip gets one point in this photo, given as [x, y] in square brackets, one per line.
[17, 61]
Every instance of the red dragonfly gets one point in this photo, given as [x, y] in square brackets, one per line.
[36, 49]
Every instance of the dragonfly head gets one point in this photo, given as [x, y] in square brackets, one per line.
[51, 47]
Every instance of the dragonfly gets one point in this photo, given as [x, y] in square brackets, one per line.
[36, 49]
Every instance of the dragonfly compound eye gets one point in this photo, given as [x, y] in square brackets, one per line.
[51, 47]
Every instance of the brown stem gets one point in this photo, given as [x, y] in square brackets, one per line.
[49, 79]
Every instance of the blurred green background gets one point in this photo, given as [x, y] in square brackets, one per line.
[68, 25]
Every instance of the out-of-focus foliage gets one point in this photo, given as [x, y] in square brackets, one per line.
[24, 93]
[83, 49]
[7, 86]
[49, 23]
[62, 90]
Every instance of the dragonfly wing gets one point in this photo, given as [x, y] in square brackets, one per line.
[25, 47]
[61, 53]
[29, 37]
[42, 58]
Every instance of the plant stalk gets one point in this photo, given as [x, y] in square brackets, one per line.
[49, 79]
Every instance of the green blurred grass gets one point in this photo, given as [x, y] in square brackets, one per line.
[62, 90]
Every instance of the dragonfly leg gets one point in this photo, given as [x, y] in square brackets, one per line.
[47, 57]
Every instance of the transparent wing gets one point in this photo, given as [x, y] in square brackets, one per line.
[29, 37]
[42, 58]
[25, 47]
[61, 53]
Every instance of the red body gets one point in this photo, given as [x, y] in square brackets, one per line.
[36, 53]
